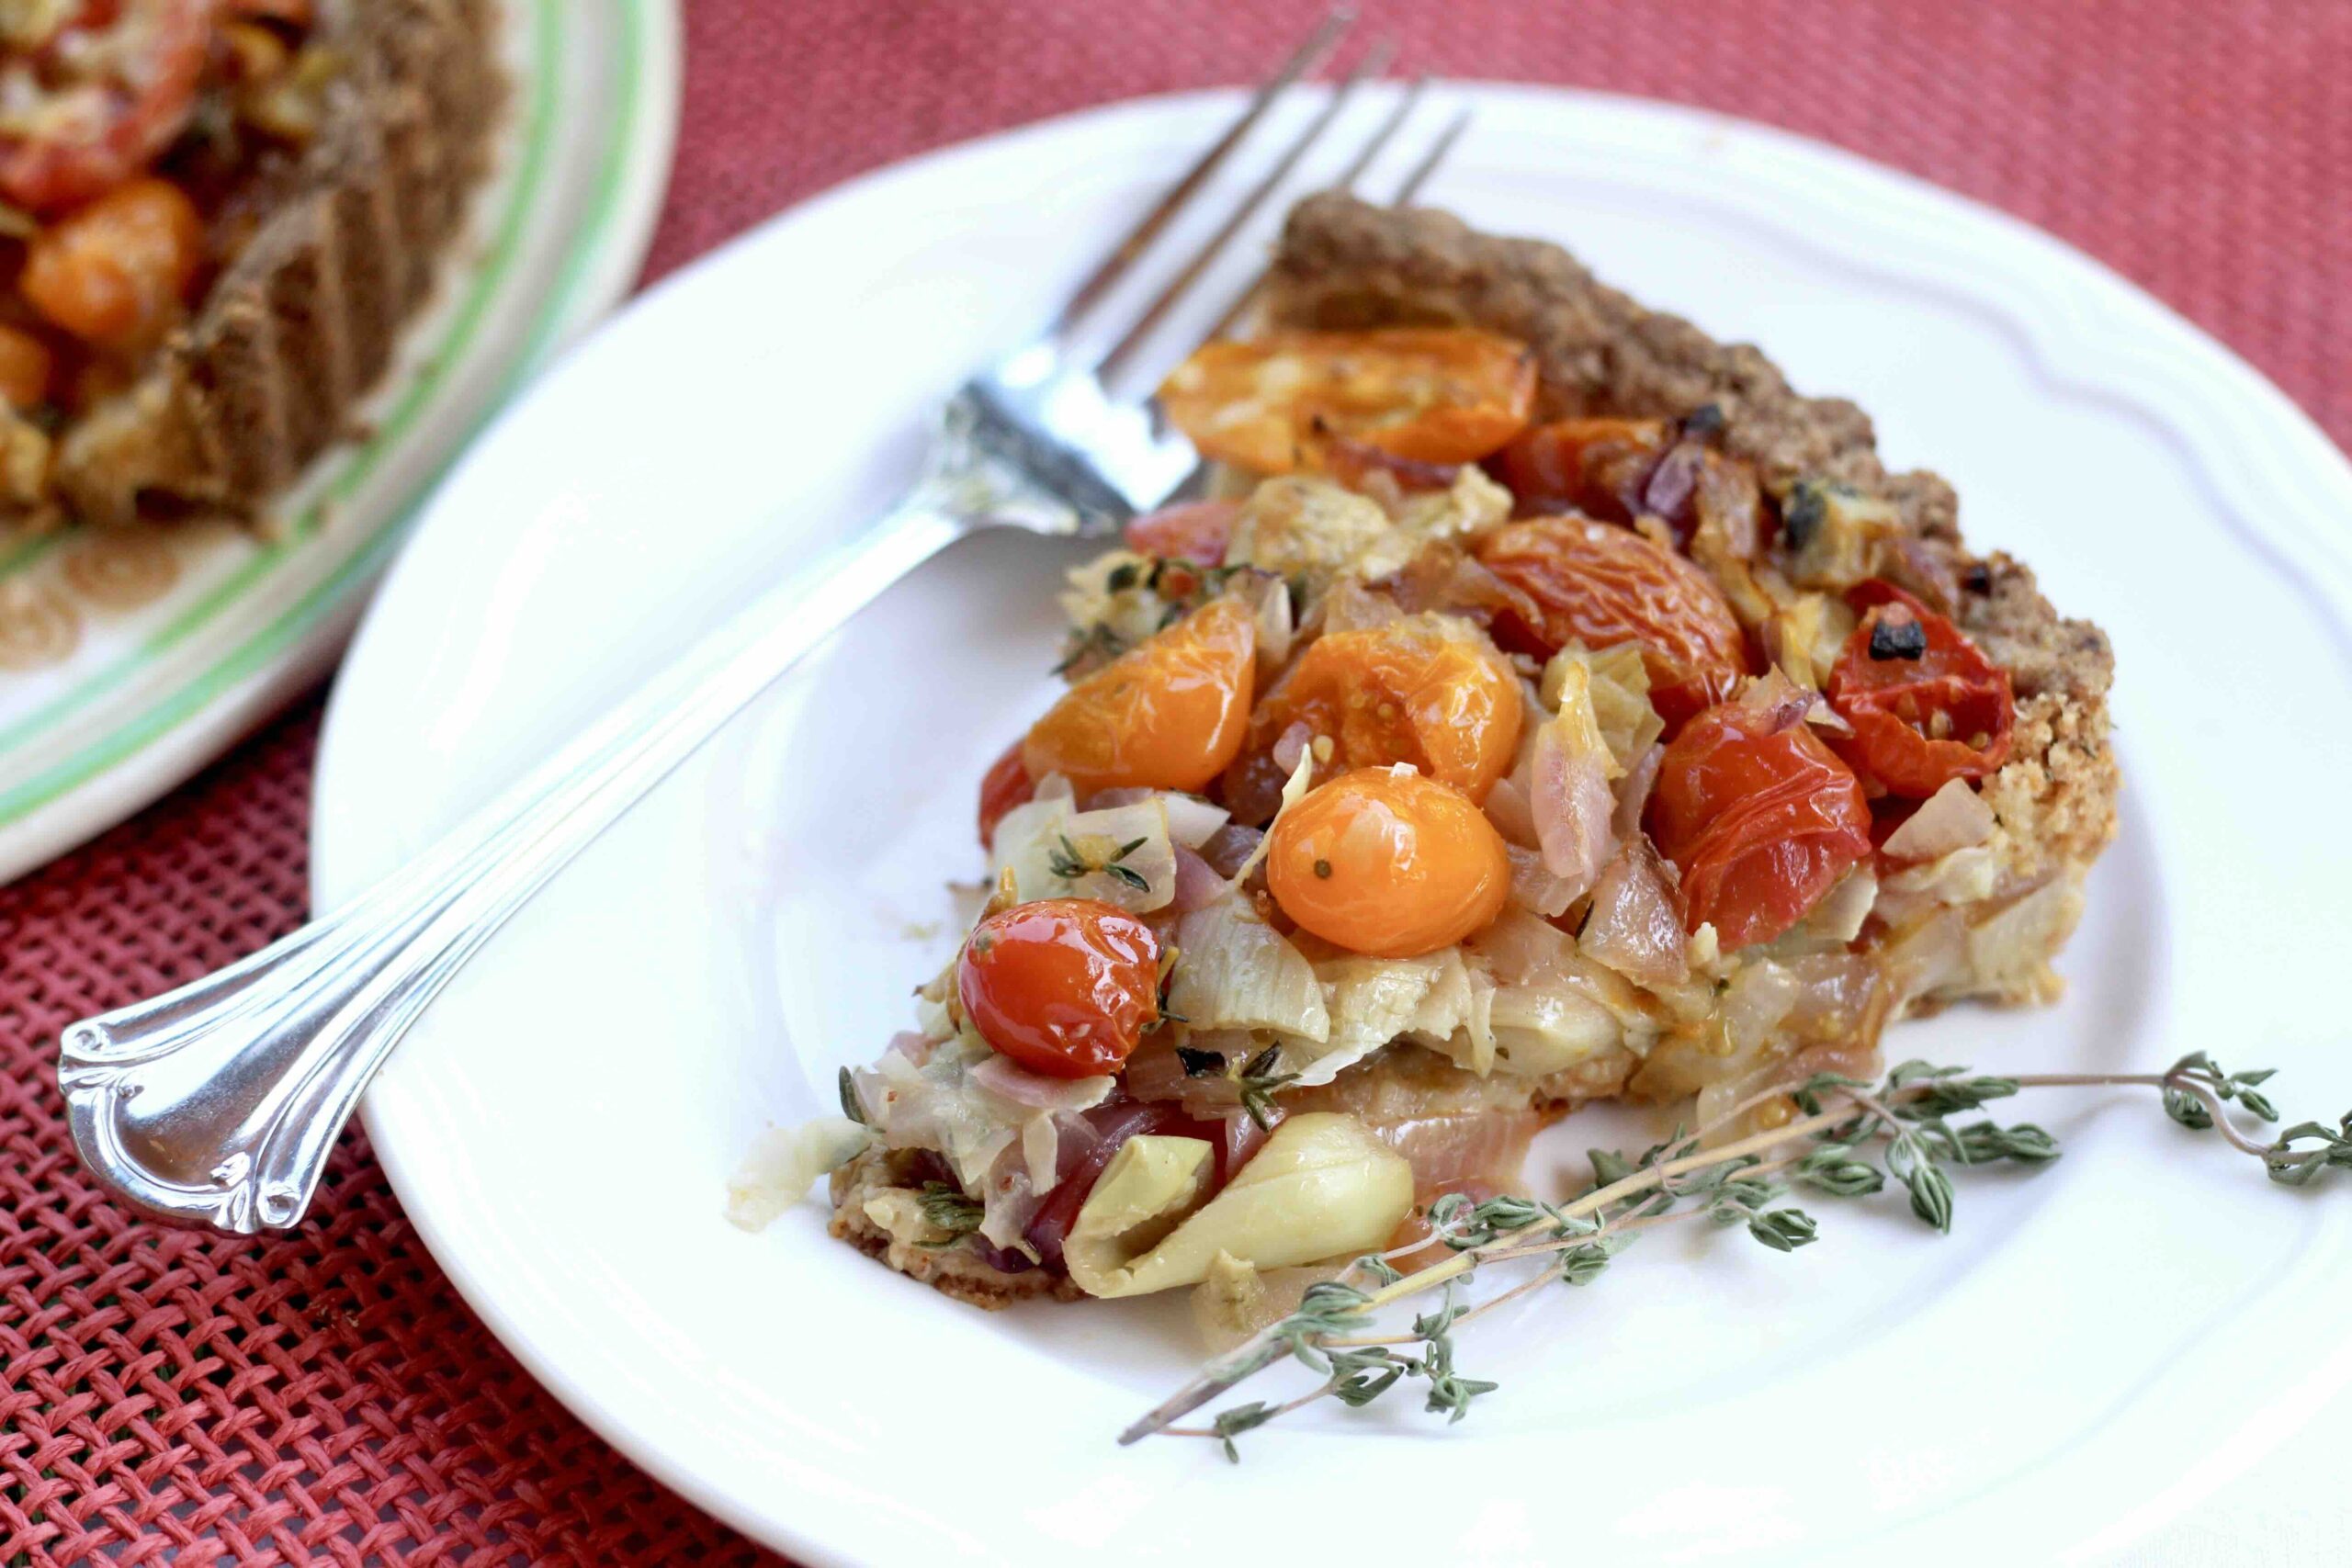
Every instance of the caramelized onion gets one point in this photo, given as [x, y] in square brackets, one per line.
[1635, 926]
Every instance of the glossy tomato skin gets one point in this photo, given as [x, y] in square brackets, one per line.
[1438, 395]
[1927, 705]
[1423, 690]
[1194, 531]
[1759, 817]
[1006, 784]
[1064, 987]
[1600, 584]
[1168, 714]
[1387, 862]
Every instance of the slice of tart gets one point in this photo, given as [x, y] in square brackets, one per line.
[218, 216]
[1554, 706]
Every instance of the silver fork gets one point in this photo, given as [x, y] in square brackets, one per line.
[219, 1102]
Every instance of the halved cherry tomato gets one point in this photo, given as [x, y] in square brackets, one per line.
[1429, 394]
[1196, 531]
[1925, 704]
[1759, 816]
[25, 366]
[1064, 987]
[116, 82]
[1387, 863]
[1597, 583]
[1423, 690]
[1169, 715]
[115, 273]
[1006, 784]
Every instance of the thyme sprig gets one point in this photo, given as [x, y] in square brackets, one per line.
[1838, 1124]
[947, 1208]
[1067, 861]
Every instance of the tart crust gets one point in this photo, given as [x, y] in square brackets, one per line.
[264, 377]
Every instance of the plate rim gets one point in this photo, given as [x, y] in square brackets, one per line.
[2217, 368]
[111, 775]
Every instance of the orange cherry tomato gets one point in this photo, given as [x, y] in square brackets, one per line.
[1387, 863]
[116, 83]
[1196, 531]
[1598, 584]
[25, 366]
[115, 273]
[1064, 987]
[1426, 394]
[1006, 784]
[1760, 817]
[1927, 705]
[1169, 715]
[1421, 690]
[1596, 466]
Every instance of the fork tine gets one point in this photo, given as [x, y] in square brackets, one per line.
[1375, 59]
[1346, 181]
[1432, 159]
[1303, 59]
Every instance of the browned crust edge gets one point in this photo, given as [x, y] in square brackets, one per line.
[304, 325]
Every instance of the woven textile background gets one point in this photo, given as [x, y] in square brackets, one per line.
[171, 1398]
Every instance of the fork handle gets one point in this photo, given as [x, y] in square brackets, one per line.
[219, 1102]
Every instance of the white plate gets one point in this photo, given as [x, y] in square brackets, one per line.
[149, 694]
[2094, 1349]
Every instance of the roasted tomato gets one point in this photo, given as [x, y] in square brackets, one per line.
[1006, 784]
[1196, 531]
[1595, 466]
[1760, 817]
[1598, 584]
[117, 272]
[1927, 705]
[1387, 863]
[1426, 394]
[1169, 715]
[1423, 690]
[25, 365]
[107, 90]
[1064, 987]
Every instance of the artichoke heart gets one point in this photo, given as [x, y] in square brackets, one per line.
[1322, 1187]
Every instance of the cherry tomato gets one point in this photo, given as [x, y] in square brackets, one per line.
[115, 273]
[1387, 863]
[1064, 987]
[116, 83]
[1169, 715]
[1006, 784]
[1925, 704]
[1760, 817]
[25, 365]
[1196, 531]
[1421, 690]
[1595, 466]
[1428, 394]
[1598, 584]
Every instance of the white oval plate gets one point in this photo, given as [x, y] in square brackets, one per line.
[148, 695]
[561, 1126]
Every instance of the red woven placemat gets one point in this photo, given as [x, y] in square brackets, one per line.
[174, 1397]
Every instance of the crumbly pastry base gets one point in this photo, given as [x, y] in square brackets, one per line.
[267, 374]
[1345, 264]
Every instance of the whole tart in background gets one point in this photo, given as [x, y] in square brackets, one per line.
[220, 216]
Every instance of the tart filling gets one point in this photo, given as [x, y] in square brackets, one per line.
[1554, 706]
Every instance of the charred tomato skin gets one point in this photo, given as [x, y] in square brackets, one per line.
[1600, 584]
[1759, 817]
[1064, 987]
[1925, 704]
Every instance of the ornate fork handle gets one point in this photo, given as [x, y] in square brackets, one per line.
[219, 1102]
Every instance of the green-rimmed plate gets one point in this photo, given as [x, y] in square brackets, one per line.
[127, 665]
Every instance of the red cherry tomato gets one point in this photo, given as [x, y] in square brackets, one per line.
[1760, 817]
[1064, 987]
[1006, 784]
[1927, 705]
[118, 80]
[1598, 584]
[1195, 532]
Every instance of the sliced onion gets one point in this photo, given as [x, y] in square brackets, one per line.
[1507, 808]
[1005, 1078]
[1291, 746]
[1634, 792]
[1229, 848]
[1635, 926]
[1191, 821]
[1533, 886]
[1568, 792]
[1197, 883]
[1954, 817]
